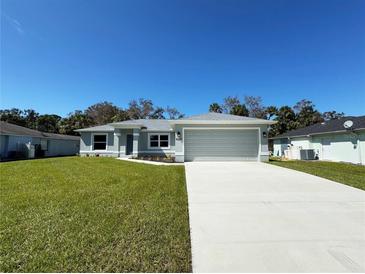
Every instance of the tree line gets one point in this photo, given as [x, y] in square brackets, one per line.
[97, 114]
[301, 114]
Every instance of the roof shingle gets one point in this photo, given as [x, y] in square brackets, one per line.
[213, 116]
[325, 127]
[11, 129]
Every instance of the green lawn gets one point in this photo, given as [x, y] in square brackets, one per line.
[348, 174]
[93, 215]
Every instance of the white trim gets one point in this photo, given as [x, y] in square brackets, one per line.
[157, 130]
[229, 128]
[92, 142]
[318, 133]
[156, 151]
[158, 134]
[125, 125]
[99, 151]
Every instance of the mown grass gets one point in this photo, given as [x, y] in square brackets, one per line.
[348, 174]
[93, 215]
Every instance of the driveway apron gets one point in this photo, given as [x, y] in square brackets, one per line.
[255, 217]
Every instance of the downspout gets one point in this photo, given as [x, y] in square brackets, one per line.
[359, 147]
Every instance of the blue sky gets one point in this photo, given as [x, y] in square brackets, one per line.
[58, 56]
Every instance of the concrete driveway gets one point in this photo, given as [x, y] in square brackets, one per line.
[255, 217]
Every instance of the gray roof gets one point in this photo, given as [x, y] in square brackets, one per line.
[335, 125]
[149, 124]
[213, 116]
[11, 129]
[102, 128]
[166, 125]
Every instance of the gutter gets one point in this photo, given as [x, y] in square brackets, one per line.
[221, 122]
[319, 133]
[126, 126]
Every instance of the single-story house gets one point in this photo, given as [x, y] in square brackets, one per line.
[339, 140]
[18, 142]
[206, 137]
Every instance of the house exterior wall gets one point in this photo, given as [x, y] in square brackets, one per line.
[338, 147]
[341, 147]
[362, 146]
[87, 149]
[143, 148]
[57, 147]
[16, 143]
[117, 142]
[280, 145]
[303, 142]
[123, 140]
[3, 146]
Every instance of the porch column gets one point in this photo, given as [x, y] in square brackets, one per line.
[117, 135]
[135, 141]
[179, 144]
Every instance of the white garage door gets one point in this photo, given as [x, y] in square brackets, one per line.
[221, 144]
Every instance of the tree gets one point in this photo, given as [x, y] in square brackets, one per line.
[75, 120]
[122, 115]
[229, 103]
[173, 113]
[48, 123]
[215, 107]
[271, 111]
[306, 113]
[13, 116]
[286, 120]
[102, 113]
[158, 113]
[332, 115]
[140, 109]
[255, 106]
[239, 110]
[31, 118]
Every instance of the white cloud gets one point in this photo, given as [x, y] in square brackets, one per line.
[15, 24]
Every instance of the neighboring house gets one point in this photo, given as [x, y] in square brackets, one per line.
[335, 140]
[20, 142]
[211, 136]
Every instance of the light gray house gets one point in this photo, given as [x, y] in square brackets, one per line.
[211, 136]
[18, 142]
[339, 140]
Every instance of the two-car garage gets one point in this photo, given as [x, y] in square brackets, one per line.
[214, 144]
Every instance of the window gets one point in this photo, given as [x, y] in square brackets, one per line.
[99, 141]
[159, 140]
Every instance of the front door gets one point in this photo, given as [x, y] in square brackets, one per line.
[129, 147]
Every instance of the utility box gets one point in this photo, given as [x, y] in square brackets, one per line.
[307, 154]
